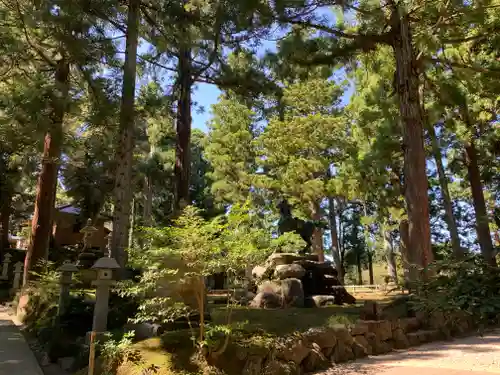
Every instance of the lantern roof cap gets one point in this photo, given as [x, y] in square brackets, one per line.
[106, 263]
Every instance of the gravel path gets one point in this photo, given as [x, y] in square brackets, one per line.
[477, 355]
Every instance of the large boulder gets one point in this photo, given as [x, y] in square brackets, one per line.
[382, 328]
[268, 286]
[253, 365]
[266, 300]
[342, 296]
[321, 301]
[316, 360]
[342, 334]
[378, 346]
[323, 268]
[361, 341]
[358, 329]
[292, 293]
[259, 272]
[324, 337]
[293, 350]
[277, 367]
[278, 259]
[407, 324]
[342, 353]
[359, 350]
[287, 271]
[400, 339]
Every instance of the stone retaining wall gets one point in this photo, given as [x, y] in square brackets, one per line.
[320, 348]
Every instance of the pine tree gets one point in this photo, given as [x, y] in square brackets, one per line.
[298, 150]
[230, 150]
[402, 27]
[50, 44]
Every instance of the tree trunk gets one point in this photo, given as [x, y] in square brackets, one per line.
[405, 253]
[41, 225]
[482, 222]
[317, 239]
[370, 267]
[132, 225]
[5, 205]
[341, 237]
[390, 257]
[415, 177]
[148, 201]
[5, 202]
[335, 239]
[448, 206]
[183, 132]
[122, 191]
[360, 268]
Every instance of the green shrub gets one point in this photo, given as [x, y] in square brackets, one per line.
[469, 286]
[115, 352]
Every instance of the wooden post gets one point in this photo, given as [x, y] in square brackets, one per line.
[92, 353]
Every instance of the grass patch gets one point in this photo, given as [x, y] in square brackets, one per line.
[286, 321]
[366, 294]
[281, 322]
[152, 354]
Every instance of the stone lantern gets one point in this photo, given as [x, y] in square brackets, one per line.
[5, 267]
[88, 230]
[86, 258]
[67, 270]
[104, 268]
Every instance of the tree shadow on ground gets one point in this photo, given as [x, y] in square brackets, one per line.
[441, 356]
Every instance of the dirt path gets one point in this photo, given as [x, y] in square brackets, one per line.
[476, 355]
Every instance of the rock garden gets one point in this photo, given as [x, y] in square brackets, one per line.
[292, 280]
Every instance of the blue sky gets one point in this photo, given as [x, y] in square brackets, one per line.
[206, 95]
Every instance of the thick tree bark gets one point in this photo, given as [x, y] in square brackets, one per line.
[405, 253]
[415, 176]
[448, 206]
[5, 208]
[317, 239]
[370, 267]
[148, 202]
[132, 225]
[482, 222]
[124, 155]
[390, 257]
[41, 225]
[183, 133]
[359, 268]
[336, 253]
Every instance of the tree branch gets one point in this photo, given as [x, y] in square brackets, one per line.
[475, 68]
[337, 32]
[38, 50]
[215, 51]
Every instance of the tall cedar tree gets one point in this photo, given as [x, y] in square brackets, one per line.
[122, 193]
[391, 23]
